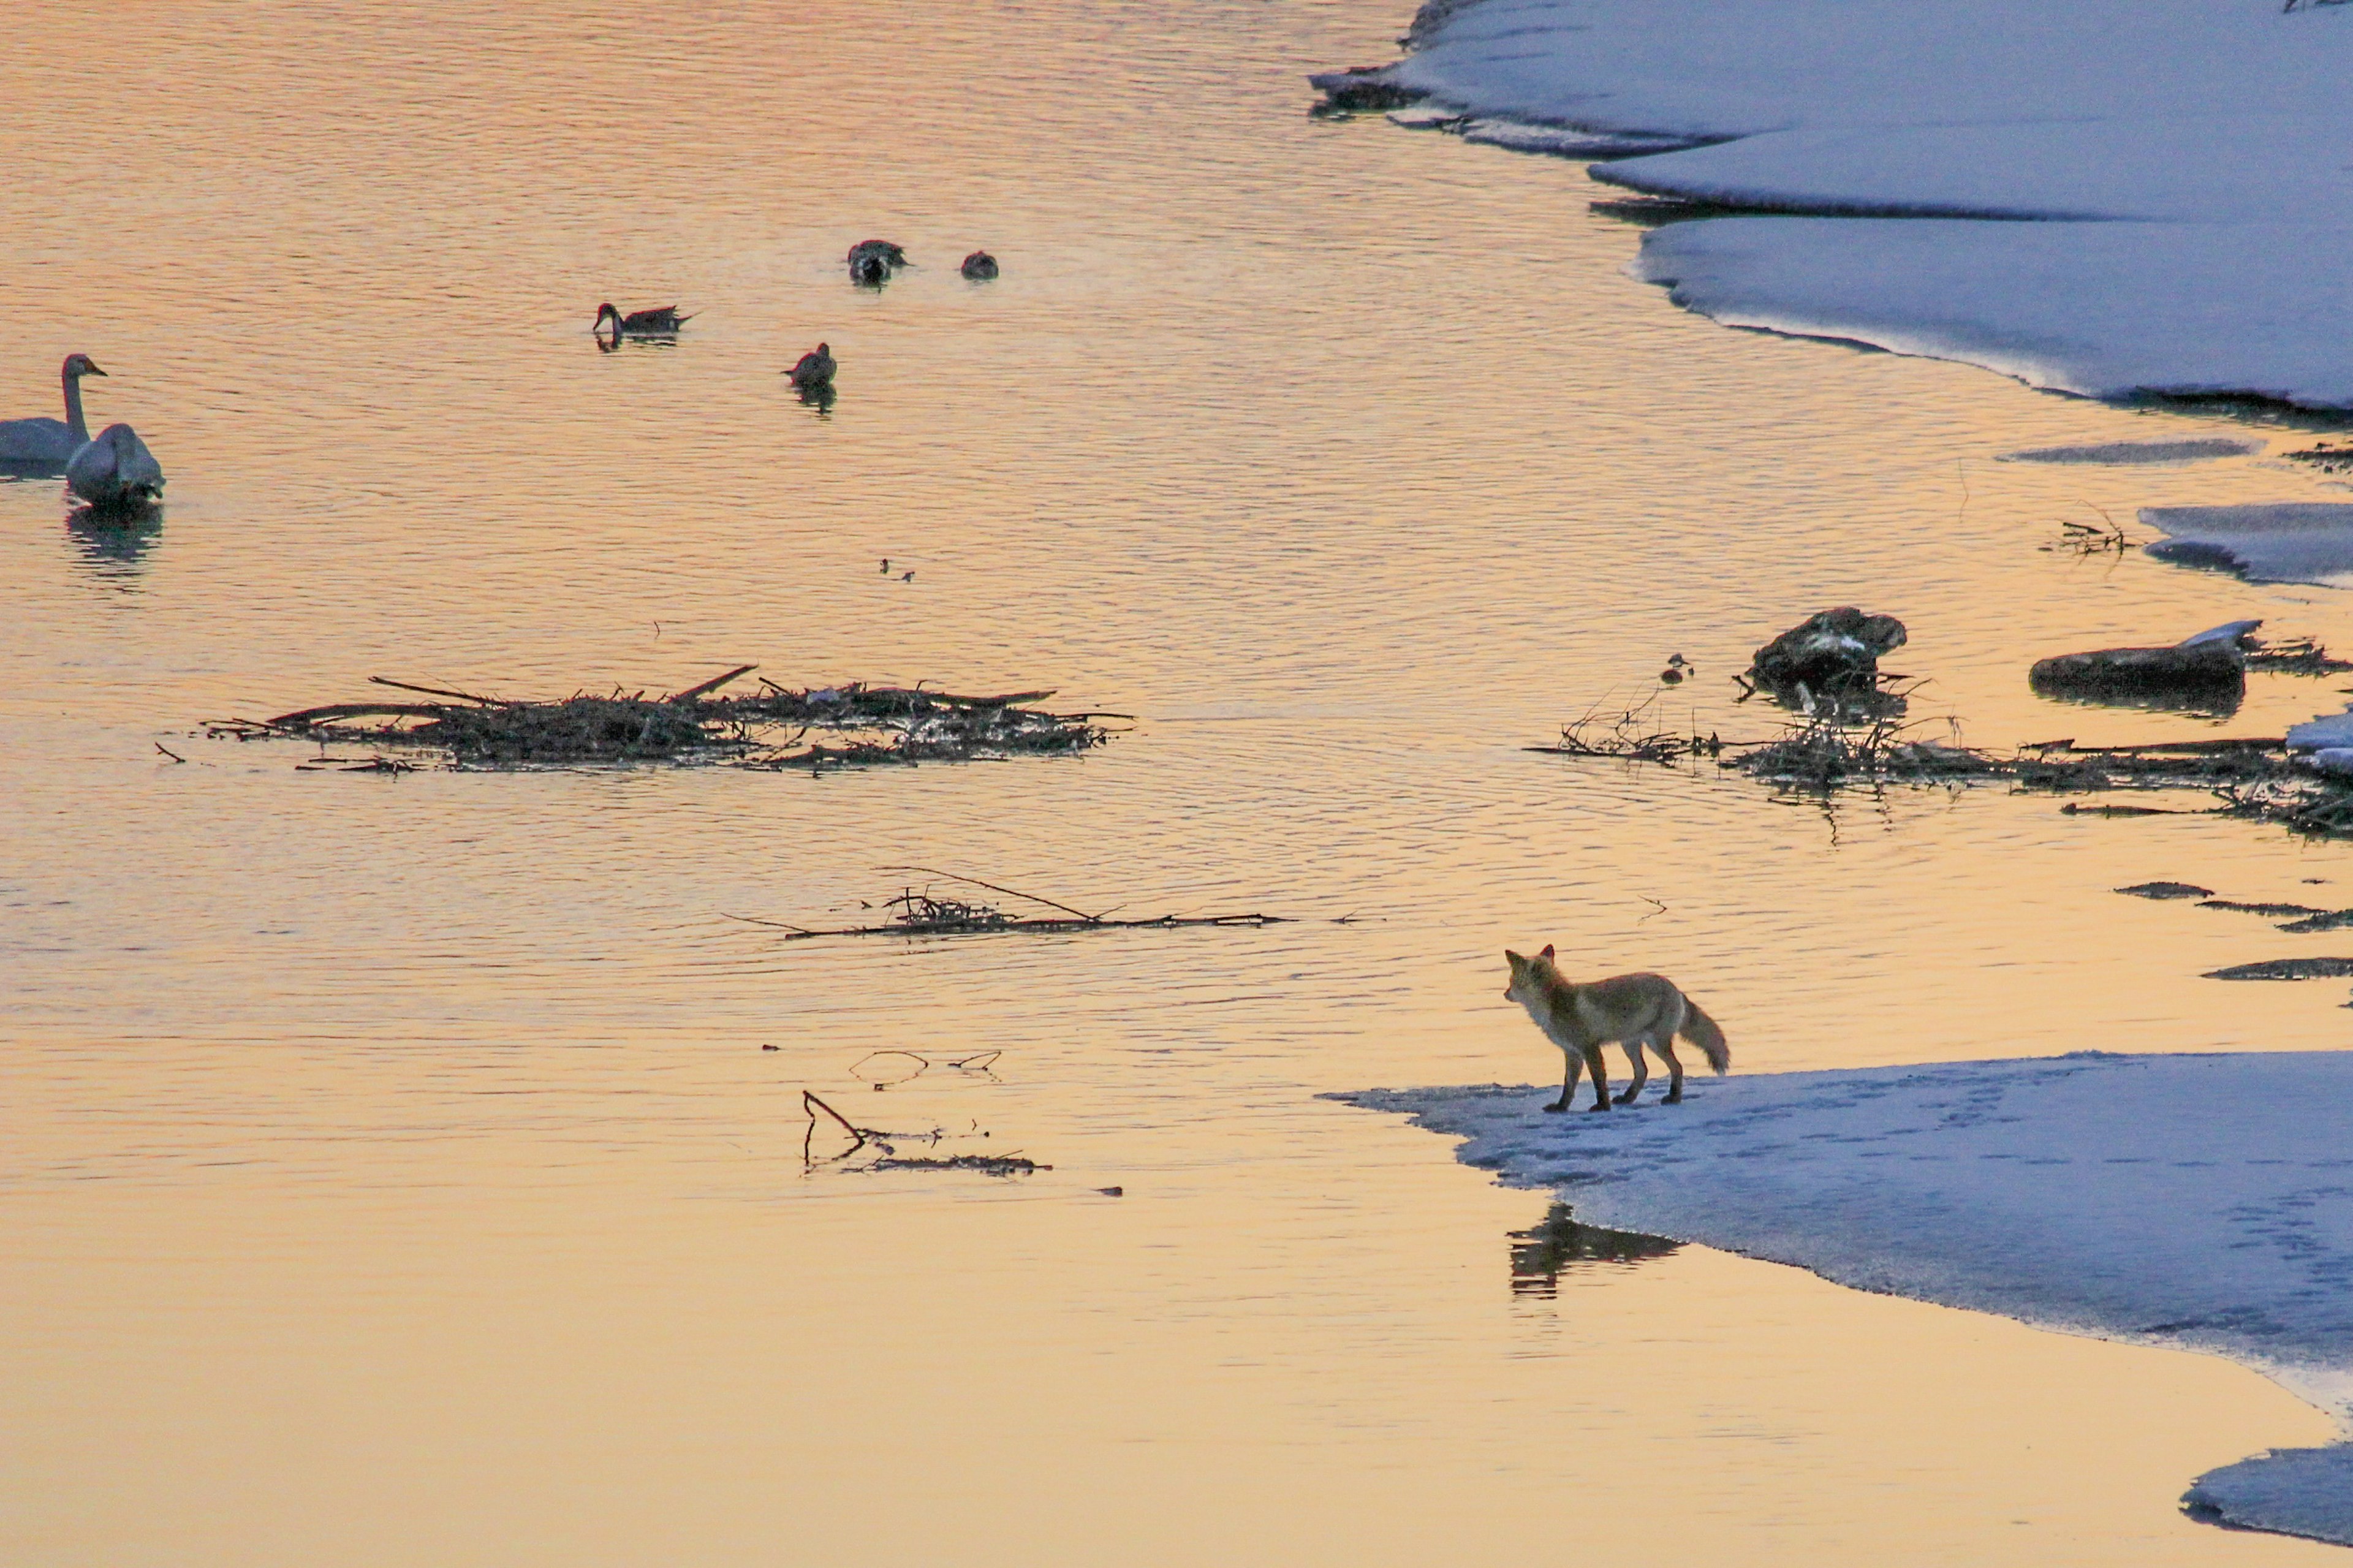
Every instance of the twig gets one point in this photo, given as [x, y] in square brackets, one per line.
[1010, 892]
[169, 753]
[810, 1105]
[434, 692]
[780, 925]
[691, 692]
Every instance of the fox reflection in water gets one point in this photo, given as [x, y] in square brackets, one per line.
[1541, 1252]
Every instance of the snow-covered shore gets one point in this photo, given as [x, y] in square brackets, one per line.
[2158, 198]
[2203, 1201]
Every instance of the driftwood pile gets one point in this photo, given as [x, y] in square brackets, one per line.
[2258, 778]
[862, 725]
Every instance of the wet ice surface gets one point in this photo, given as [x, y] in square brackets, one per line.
[2127, 453]
[2288, 541]
[2205, 1200]
[1992, 109]
[2104, 310]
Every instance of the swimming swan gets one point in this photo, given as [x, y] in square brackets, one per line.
[116, 471]
[47, 440]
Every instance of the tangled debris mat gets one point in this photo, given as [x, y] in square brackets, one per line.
[828, 727]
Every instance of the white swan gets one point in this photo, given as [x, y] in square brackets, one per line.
[116, 471]
[50, 441]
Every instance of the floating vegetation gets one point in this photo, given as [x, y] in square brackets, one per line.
[2257, 778]
[1632, 735]
[2081, 538]
[2294, 656]
[871, 1149]
[2327, 456]
[859, 725]
[921, 912]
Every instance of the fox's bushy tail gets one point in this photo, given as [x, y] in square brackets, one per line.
[1701, 1031]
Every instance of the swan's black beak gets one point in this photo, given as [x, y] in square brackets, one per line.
[90, 367]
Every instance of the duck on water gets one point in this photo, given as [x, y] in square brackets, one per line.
[657, 323]
[872, 262]
[813, 371]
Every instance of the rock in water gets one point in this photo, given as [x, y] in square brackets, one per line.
[1835, 652]
[2212, 664]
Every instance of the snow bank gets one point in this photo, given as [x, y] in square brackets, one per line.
[2105, 310]
[2204, 1200]
[2288, 541]
[2216, 125]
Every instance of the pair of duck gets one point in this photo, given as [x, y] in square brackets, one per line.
[872, 261]
[813, 371]
[114, 471]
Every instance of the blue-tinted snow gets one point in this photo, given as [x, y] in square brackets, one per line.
[2203, 1201]
[2214, 127]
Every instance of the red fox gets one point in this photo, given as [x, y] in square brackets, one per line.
[1635, 1010]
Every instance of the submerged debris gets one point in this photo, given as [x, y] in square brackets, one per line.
[2168, 890]
[2287, 969]
[880, 1152]
[865, 725]
[1634, 734]
[2238, 907]
[2257, 777]
[924, 913]
[2107, 538]
[2327, 456]
[1361, 89]
[2294, 656]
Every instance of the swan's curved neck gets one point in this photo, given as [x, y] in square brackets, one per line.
[74, 420]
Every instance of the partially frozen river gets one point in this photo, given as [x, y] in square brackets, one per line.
[394, 1173]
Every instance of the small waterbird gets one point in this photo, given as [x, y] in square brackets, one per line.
[813, 370]
[51, 441]
[658, 324]
[882, 250]
[980, 267]
[1635, 1010]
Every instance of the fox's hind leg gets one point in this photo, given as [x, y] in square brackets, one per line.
[1665, 1046]
[1641, 1071]
[1568, 1079]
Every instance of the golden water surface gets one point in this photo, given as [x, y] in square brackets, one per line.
[394, 1175]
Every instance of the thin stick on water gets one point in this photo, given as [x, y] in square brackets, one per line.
[433, 692]
[992, 887]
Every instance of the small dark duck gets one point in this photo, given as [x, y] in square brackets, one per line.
[980, 267]
[814, 370]
[889, 254]
[658, 324]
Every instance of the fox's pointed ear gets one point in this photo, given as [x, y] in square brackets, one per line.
[1546, 952]
[1514, 959]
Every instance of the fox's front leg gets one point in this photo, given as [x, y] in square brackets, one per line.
[1567, 1081]
[1601, 1079]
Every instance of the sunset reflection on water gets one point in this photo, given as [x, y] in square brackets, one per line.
[396, 1174]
